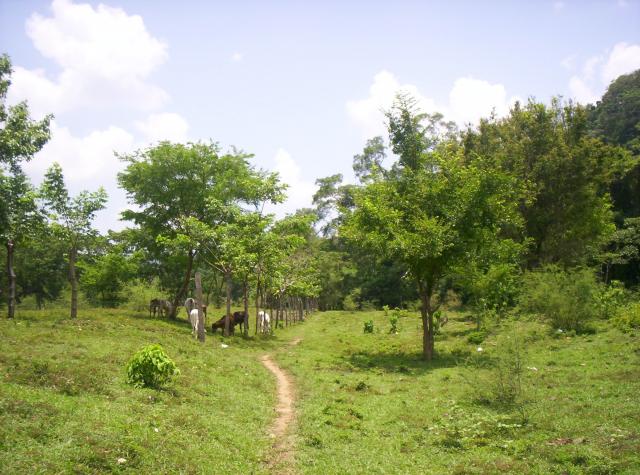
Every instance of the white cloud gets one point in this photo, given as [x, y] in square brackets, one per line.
[163, 126]
[368, 113]
[598, 72]
[105, 56]
[83, 158]
[581, 91]
[469, 100]
[237, 57]
[300, 191]
[624, 58]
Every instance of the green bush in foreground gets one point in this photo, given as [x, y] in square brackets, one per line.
[150, 367]
[368, 326]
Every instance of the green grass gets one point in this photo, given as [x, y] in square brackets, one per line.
[366, 403]
[369, 404]
[65, 407]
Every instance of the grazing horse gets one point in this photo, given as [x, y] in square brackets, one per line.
[162, 307]
[190, 304]
[237, 318]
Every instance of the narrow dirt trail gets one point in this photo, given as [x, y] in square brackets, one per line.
[281, 457]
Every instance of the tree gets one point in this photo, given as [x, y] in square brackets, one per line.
[20, 139]
[174, 184]
[105, 276]
[42, 265]
[565, 173]
[73, 216]
[367, 166]
[433, 212]
[616, 120]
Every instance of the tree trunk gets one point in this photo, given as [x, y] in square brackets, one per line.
[12, 280]
[426, 311]
[201, 322]
[257, 303]
[227, 320]
[246, 307]
[73, 279]
[183, 289]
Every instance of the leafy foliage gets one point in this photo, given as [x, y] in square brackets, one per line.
[368, 326]
[627, 317]
[150, 367]
[564, 172]
[434, 212]
[566, 298]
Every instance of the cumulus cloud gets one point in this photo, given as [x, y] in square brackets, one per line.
[598, 71]
[82, 158]
[300, 191]
[469, 100]
[105, 56]
[163, 126]
[368, 113]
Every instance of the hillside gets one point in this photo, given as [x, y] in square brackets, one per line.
[364, 403]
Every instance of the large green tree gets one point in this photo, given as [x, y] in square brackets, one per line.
[73, 216]
[174, 186]
[20, 139]
[565, 172]
[434, 212]
[616, 120]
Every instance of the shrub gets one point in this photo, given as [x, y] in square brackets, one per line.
[368, 326]
[476, 337]
[386, 310]
[150, 367]
[628, 317]
[393, 320]
[502, 381]
[139, 293]
[351, 302]
[610, 298]
[567, 299]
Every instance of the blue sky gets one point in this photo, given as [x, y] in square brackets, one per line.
[299, 84]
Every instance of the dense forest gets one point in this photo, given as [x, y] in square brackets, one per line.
[545, 199]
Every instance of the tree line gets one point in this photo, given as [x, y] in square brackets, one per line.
[435, 209]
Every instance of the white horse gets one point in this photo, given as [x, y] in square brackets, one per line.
[264, 322]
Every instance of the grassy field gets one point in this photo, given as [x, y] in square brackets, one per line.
[65, 407]
[366, 403]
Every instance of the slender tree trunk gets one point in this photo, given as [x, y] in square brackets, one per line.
[425, 291]
[201, 322]
[73, 279]
[257, 303]
[12, 279]
[246, 307]
[183, 289]
[227, 320]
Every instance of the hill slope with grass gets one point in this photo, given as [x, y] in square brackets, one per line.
[65, 406]
[531, 401]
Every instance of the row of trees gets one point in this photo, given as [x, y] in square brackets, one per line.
[472, 209]
[196, 208]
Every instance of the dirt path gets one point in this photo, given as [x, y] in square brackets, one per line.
[281, 457]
